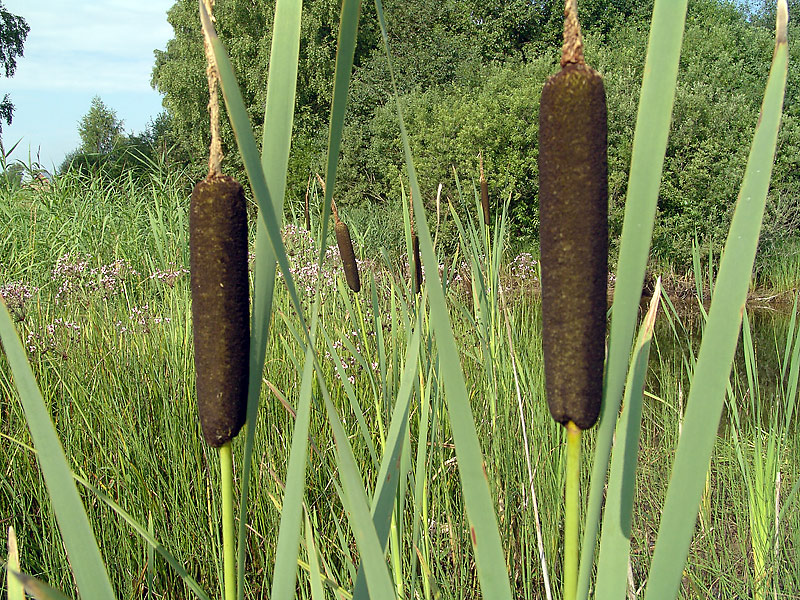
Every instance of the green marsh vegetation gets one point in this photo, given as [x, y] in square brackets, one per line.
[362, 389]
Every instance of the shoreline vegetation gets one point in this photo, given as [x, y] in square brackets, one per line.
[96, 277]
[398, 440]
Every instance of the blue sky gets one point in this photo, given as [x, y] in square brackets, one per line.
[77, 50]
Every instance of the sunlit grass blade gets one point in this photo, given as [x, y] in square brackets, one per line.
[76, 531]
[711, 374]
[485, 535]
[285, 573]
[649, 147]
[13, 584]
[147, 536]
[317, 592]
[354, 498]
[615, 541]
[387, 481]
[38, 589]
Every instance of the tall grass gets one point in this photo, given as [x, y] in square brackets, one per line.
[416, 458]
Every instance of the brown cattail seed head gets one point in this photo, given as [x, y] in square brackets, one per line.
[220, 305]
[573, 205]
[484, 195]
[417, 263]
[348, 256]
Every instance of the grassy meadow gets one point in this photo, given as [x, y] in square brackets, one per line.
[398, 445]
[95, 274]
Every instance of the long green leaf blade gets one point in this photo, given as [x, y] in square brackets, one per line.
[387, 482]
[76, 531]
[704, 405]
[649, 148]
[275, 145]
[285, 571]
[38, 589]
[485, 535]
[615, 542]
[147, 535]
[354, 497]
[13, 584]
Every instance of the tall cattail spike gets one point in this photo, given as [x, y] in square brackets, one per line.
[573, 205]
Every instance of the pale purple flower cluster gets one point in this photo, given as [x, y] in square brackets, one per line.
[53, 337]
[348, 363]
[74, 275]
[302, 254]
[523, 267]
[141, 318]
[169, 275]
[15, 295]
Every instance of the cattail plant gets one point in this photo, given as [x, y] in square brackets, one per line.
[416, 275]
[220, 308]
[573, 205]
[345, 244]
[484, 194]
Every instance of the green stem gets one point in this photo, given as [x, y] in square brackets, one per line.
[571, 511]
[228, 550]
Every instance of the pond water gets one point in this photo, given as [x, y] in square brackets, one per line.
[677, 343]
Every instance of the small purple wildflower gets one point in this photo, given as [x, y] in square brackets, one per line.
[168, 276]
[16, 294]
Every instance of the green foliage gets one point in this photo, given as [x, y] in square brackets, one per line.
[13, 31]
[100, 129]
[724, 63]
[447, 129]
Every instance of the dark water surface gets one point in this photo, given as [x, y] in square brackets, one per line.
[676, 346]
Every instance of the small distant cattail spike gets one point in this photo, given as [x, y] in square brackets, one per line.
[484, 195]
[417, 263]
[348, 255]
[220, 305]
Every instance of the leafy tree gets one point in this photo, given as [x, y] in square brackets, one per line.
[100, 129]
[13, 31]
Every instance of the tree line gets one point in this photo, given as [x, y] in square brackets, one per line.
[470, 74]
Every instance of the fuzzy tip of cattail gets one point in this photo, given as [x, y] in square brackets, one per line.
[348, 256]
[220, 305]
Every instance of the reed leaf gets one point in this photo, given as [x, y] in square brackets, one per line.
[386, 488]
[84, 556]
[615, 542]
[489, 558]
[38, 589]
[704, 405]
[147, 535]
[13, 584]
[285, 571]
[649, 148]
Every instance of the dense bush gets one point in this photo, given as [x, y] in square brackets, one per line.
[722, 75]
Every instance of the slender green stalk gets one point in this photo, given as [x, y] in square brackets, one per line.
[228, 549]
[572, 511]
